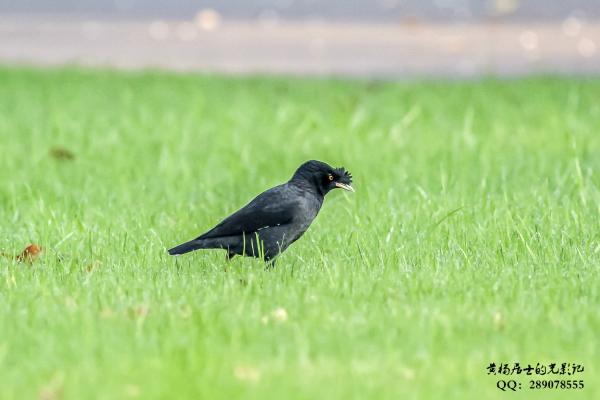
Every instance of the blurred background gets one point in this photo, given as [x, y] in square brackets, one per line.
[362, 38]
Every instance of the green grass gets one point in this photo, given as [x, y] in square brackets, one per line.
[473, 237]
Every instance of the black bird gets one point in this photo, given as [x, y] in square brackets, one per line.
[276, 218]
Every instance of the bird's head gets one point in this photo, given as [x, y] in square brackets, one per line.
[323, 177]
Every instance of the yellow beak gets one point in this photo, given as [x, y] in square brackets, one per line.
[344, 186]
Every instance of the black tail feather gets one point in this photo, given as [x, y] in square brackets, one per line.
[186, 247]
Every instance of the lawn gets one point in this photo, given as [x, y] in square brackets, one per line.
[473, 236]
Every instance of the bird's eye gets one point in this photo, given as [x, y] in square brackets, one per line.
[330, 177]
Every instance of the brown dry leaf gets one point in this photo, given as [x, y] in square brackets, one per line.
[61, 153]
[94, 265]
[139, 311]
[30, 254]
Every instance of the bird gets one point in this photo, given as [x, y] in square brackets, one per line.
[266, 226]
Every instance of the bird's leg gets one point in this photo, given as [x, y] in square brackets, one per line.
[228, 256]
[270, 262]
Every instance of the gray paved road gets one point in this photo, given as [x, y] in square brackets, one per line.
[341, 48]
[373, 10]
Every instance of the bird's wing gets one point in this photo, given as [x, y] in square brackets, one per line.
[273, 207]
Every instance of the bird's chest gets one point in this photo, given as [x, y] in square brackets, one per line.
[279, 237]
[307, 212]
